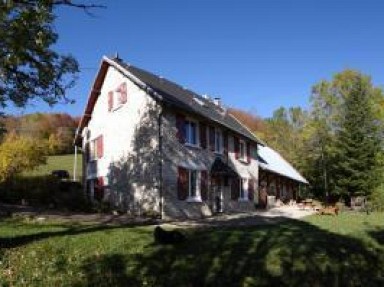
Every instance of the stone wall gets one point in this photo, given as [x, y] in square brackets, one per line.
[176, 154]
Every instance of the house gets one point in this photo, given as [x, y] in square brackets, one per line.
[153, 147]
[278, 179]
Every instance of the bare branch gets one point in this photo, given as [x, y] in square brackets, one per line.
[85, 7]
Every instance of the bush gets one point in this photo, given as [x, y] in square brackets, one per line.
[376, 199]
[44, 191]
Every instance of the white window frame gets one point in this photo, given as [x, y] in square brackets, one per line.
[197, 196]
[219, 141]
[188, 133]
[243, 186]
[93, 149]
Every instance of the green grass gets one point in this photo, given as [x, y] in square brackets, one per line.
[347, 250]
[59, 162]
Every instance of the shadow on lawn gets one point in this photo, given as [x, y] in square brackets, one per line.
[294, 253]
[69, 230]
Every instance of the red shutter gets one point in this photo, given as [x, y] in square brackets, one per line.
[235, 189]
[110, 101]
[248, 152]
[251, 189]
[203, 135]
[212, 138]
[237, 147]
[225, 139]
[100, 181]
[182, 184]
[180, 121]
[204, 185]
[123, 93]
[100, 147]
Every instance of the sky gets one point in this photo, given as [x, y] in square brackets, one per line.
[257, 55]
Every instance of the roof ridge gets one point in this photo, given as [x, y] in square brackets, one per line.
[244, 126]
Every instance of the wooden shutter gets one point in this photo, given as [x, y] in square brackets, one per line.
[251, 189]
[180, 126]
[212, 138]
[182, 183]
[203, 135]
[225, 140]
[110, 101]
[248, 152]
[123, 93]
[237, 147]
[100, 146]
[204, 185]
[99, 188]
[235, 189]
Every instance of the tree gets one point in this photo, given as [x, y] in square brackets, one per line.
[18, 154]
[358, 140]
[29, 67]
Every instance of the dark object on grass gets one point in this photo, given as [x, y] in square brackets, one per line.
[60, 173]
[168, 237]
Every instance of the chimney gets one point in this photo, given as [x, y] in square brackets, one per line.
[217, 101]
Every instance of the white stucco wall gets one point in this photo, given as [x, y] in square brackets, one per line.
[130, 136]
[119, 125]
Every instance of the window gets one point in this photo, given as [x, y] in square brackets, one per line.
[243, 189]
[118, 97]
[191, 183]
[122, 93]
[190, 129]
[97, 148]
[218, 141]
[242, 150]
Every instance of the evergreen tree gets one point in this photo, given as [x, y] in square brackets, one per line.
[358, 143]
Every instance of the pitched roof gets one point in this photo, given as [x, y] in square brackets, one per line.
[274, 162]
[165, 91]
[187, 100]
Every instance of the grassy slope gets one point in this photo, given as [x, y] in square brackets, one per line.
[321, 251]
[59, 162]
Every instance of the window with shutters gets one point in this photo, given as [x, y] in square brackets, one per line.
[122, 93]
[243, 186]
[118, 97]
[96, 148]
[191, 132]
[191, 184]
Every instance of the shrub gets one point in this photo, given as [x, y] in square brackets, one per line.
[377, 198]
[44, 191]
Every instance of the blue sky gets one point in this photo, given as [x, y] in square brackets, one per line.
[256, 55]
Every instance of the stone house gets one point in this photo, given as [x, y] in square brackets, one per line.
[151, 146]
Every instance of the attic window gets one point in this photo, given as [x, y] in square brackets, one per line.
[200, 102]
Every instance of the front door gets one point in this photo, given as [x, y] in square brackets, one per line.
[218, 194]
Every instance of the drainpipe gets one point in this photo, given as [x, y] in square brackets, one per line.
[160, 186]
[75, 164]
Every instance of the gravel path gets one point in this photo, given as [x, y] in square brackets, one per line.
[259, 217]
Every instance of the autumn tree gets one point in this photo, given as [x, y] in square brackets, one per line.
[18, 154]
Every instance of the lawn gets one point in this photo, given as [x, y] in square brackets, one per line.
[59, 162]
[347, 250]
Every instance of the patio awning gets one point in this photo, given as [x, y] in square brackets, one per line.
[221, 168]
